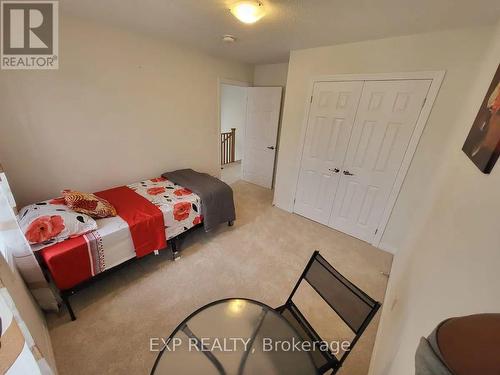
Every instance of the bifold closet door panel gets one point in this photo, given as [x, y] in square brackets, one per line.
[329, 126]
[386, 117]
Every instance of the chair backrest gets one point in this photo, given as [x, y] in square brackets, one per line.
[350, 303]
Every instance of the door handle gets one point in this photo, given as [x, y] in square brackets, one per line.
[347, 173]
[270, 147]
[335, 170]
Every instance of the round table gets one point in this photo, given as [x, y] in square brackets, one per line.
[234, 336]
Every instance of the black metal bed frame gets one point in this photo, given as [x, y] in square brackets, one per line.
[66, 293]
[332, 362]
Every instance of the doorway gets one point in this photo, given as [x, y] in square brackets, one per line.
[249, 120]
[233, 108]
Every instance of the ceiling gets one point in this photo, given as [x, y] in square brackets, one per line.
[288, 24]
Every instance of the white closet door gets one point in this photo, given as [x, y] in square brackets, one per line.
[385, 120]
[331, 118]
[261, 132]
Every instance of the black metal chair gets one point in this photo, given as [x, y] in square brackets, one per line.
[349, 302]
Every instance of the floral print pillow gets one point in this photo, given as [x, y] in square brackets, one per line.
[46, 223]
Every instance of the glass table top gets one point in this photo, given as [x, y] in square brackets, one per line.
[234, 336]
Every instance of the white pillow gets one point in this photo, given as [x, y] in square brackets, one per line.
[49, 222]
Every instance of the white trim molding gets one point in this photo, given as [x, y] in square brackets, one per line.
[435, 76]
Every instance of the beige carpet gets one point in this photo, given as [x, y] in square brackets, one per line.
[260, 257]
[230, 173]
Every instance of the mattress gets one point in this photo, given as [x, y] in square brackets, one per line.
[75, 260]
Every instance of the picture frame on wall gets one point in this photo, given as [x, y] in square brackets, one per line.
[482, 145]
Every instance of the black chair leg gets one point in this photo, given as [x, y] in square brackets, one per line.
[65, 299]
[280, 308]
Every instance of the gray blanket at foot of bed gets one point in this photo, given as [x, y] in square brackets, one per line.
[217, 205]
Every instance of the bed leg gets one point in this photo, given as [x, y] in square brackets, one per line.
[175, 252]
[65, 299]
[230, 223]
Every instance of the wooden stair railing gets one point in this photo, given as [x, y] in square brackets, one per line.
[227, 146]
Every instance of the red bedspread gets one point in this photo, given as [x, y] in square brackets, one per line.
[144, 219]
[70, 262]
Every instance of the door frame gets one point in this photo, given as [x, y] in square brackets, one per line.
[435, 76]
[224, 81]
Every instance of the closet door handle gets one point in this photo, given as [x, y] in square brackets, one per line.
[335, 170]
[270, 147]
[347, 173]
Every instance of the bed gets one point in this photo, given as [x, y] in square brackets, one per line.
[134, 232]
[78, 259]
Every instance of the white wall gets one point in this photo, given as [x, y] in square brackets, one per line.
[450, 267]
[122, 107]
[455, 51]
[233, 108]
[270, 74]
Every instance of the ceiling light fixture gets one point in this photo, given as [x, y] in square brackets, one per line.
[248, 11]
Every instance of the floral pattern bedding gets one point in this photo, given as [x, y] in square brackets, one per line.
[111, 244]
[180, 206]
[49, 222]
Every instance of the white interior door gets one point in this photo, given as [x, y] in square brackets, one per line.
[329, 126]
[385, 121]
[261, 131]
